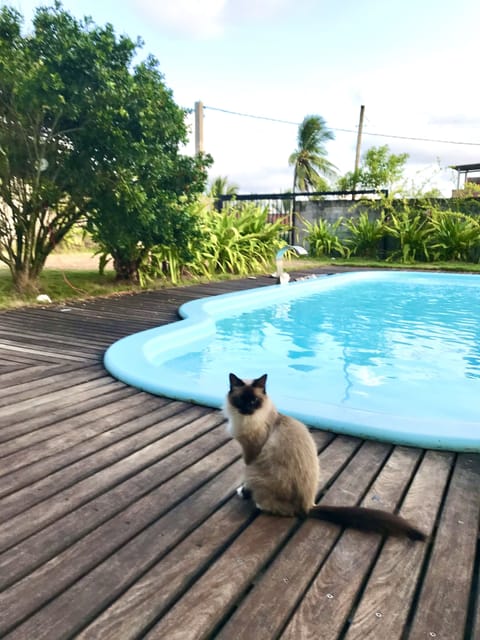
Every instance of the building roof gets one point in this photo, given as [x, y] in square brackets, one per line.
[467, 167]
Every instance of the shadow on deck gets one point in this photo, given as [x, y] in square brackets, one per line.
[118, 517]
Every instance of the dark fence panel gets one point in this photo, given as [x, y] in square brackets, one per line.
[288, 205]
[334, 205]
[267, 198]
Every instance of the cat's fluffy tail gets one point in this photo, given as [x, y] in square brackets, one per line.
[366, 519]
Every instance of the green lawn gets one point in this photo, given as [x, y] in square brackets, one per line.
[62, 286]
[74, 284]
[382, 264]
[65, 285]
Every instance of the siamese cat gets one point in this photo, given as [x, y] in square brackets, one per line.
[281, 464]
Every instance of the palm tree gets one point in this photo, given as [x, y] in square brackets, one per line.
[309, 159]
[220, 186]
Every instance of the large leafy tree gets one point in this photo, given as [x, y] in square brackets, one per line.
[82, 134]
[379, 169]
[309, 160]
[145, 201]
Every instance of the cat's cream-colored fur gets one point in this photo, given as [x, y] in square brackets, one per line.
[281, 464]
[281, 459]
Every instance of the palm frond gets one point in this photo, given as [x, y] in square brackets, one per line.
[309, 159]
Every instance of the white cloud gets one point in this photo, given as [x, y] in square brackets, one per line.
[418, 94]
[205, 18]
[198, 18]
[253, 9]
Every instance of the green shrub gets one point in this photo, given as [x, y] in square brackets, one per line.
[323, 238]
[237, 240]
[454, 236]
[365, 235]
[411, 229]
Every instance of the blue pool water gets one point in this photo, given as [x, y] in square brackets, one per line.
[387, 355]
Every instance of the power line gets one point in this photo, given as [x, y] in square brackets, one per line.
[390, 135]
[249, 115]
[367, 133]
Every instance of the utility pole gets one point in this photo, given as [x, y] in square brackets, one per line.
[359, 144]
[198, 127]
[359, 138]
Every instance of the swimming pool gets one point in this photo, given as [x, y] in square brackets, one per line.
[393, 356]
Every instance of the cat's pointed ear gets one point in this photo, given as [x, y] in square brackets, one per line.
[260, 383]
[235, 381]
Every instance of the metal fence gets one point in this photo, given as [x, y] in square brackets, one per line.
[285, 205]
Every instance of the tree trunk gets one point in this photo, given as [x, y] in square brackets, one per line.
[25, 282]
[126, 269]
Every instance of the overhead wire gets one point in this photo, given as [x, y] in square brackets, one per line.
[367, 133]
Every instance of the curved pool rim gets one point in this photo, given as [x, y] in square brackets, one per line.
[131, 360]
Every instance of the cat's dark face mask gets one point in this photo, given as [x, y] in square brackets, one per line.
[247, 398]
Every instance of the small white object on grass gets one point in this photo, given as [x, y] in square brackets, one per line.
[44, 298]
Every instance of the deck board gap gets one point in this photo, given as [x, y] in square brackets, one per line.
[427, 556]
[472, 623]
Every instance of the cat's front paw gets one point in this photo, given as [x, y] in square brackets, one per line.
[243, 492]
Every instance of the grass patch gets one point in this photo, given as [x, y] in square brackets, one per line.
[74, 284]
[62, 286]
[312, 263]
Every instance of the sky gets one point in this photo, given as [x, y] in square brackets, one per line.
[413, 64]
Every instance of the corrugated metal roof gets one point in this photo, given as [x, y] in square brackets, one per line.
[467, 167]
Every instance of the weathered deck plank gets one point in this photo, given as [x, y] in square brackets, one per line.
[91, 446]
[43, 407]
[79, 601]
[31, 422]
[66, 376]
[300, 573]
[75, 495]
[88, 424]
[118, 518]
[16, 376]
[444, 598]
[383, 612]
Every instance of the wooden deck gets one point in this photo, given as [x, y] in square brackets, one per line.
[118, 518]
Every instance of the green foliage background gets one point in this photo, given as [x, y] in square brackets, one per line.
[86, 134]
[238, 240]
[402, 231]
